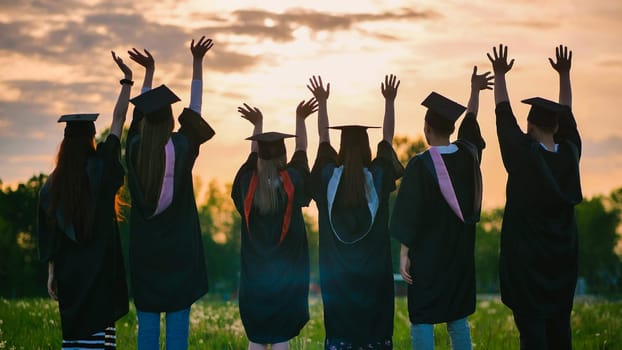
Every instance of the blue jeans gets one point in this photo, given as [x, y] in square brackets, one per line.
[422, 335]
[177, 324]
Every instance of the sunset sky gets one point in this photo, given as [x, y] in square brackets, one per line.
[55, 59]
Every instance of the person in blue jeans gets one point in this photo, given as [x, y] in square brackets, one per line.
[437, 207]
[167, 264]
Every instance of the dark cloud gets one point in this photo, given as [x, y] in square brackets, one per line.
[609, 147]
[252, 22]
[611, 63]
[535, 24]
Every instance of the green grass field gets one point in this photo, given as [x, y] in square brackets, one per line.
[34, 324]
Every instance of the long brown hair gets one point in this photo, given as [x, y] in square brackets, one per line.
[267, 195]
[354, 155]
[149, 162]
[69, 186]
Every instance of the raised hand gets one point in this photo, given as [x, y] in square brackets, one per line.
[305, 109]
[200, 49]
[389, 87]
[564, 59]
[500, 63]
[252, 114]
[124, 68]
[146, 60]
[317, 88]
[481, 81]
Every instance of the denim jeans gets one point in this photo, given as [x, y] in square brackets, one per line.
[177, 324]
[422, 335]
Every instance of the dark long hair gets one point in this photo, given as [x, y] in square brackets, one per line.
[69, 186]
[354, 155]
[149, 162]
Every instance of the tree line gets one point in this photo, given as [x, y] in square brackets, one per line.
[22, 274]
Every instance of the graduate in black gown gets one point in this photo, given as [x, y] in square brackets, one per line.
[538, 260]
[167, 263]
[351, 191]
[269, 195]
[437, 207]
[78, 231]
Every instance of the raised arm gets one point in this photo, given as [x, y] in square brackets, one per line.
[303, 110]
[500, 67]
[321, 95]
[478, 82]
[562, 66]
[196, 89]
[146, 60]
[120, 108]
[253, 115]
[389, 91]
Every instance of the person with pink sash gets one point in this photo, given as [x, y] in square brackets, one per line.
[167, 263]
[437, 207]
[269, 194]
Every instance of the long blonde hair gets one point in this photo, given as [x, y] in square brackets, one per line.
[269, 191]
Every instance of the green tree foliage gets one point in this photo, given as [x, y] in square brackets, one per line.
[487, 243]
[20, 270]
[598, 219]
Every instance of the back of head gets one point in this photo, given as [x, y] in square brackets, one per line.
[354, 155]
[149, 161]
[543, 116]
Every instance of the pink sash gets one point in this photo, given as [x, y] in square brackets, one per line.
[444, 182]
[166, 193]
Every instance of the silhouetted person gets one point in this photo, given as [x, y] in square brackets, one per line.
[269, 195]
[167, 264]
[78, 231]
[352, 191]
[538, 260]
[437, 207]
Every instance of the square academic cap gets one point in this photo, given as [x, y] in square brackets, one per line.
[79, 124]
[271, 144]
[353, 135]
[442, 112]
[543, 112]
[152, 101]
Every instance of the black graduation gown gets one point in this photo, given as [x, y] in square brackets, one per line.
[167, 265]
[441, 246]
[274, 279]
[92, 293]
[356, 279]
[538, 259]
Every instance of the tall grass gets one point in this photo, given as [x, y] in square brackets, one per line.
[34, 324]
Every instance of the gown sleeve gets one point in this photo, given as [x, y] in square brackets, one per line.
[407, 204]
[512, 141]
[300, 163]
[195, 129]
[237, 193]
[325, 154]
[469, 131]
[568, 129]
[110, 152]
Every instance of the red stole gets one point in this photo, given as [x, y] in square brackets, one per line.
[289, 190]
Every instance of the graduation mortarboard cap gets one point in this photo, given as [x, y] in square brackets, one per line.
[271, 144]
[353, 135]
[79, 124]
[543, 112]
[442, 112]
[153, 103]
